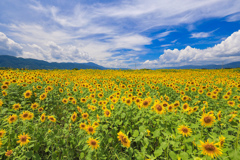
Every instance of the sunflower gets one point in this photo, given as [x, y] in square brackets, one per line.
[43, 96]
[8, 153]
[85, 115]
[43, 117]
[93, 143]
[185, 130]
[64, 100]
[95, 124]
[207, 119]
[34, 106]
[210, 149]
[1, 103]
[51, 118]
[124, 139]
[16, 106]
[82, 126]
[4, 93]
[159, 108]
[170, 108]
[2, 133]
[12, 118]
[128, 101]
[74, 116]
[23, 139]
[231, 103]
[107, 113]
[90, 129]
[4, 87]
[176, 104]
[112, 107]
[226, 97]
[25, 115]
[185, 107]
[40, 109]
[30, 116]
[221, 141]
[28, 94]
[184, 98]
[219, 115]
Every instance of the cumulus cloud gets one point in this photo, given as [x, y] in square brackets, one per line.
[8, 46]
[227, 51]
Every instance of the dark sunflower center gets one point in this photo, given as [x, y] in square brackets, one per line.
[107, 112]
[207, 119]
[84, 115]
[128, 101]
[159, 108]
[51, 118]
[42, 117]
[8, 153]
[74, 116]
[83, 126]
[145, 103]
[210, 147]
[27, 94]
[93, 143]
[185, 106]
[23, 139]
[219, 115]
[184, 98]
[124, 139]
[25, 115]
[12, 119]
[185, 130]
[90, 129]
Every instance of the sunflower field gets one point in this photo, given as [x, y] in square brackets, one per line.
[120, 114]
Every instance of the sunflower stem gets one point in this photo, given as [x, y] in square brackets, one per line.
[202, 132]
[237, 136]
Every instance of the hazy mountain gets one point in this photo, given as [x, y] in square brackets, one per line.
[14, 62]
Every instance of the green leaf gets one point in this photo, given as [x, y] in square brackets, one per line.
[29, 154]
[135, 133]
[142, 128]
[158, 152]
[172, 155]
[164, 145]
[82, 155]
[156, 133]
[123, 115]
[184, 155]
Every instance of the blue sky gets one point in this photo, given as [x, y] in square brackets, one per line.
[122, 33]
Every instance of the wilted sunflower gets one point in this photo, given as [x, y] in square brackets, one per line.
[16, 106]
[210, 149]
[207, 119]
[90, 129]
[85, 115]
[185, 130]
[124, 139]
[12, 118]
[107, 113]
[93, 143]
[23, 139]
[43, 117]
[51, 118]
[74, 116]
[2, 132]
[28, 94]
[8, 153]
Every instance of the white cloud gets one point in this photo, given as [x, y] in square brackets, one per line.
[8, 46]
[227, 51]
[200, 35]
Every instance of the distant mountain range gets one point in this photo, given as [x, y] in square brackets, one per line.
[14, 62]
[212, 66]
